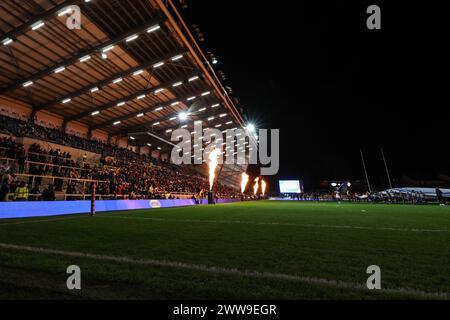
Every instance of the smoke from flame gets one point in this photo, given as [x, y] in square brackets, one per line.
[244, 181]
[263, 187]
[255, 186]
[213, 162]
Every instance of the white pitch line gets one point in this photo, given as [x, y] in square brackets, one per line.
[228, 271]
[279, 224]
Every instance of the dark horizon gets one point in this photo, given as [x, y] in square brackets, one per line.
[332, 86]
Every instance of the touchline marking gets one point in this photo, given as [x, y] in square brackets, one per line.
[279, 224]
[228, 271]
[38, 221]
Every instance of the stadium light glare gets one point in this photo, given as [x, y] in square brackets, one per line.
[349, 184]
[223, 115]
[64, 11]
[154, 28]
[250, 127]
[85, 58]
[104, 56]
[136, 73]
[202, 109]
[149, 144]
[37, 25]
[193, 78]
[121, 104]
[178, 57]
[215, 105]
[229, 122]
[132, 138]
[117, 80]
[159, 109]
[95, 89]
[131, 38]
[159, 148]
[157, 65]
[333, 184]
[142, 96]
[95, 113]
[109, 48]
[177, 84]
[27, 84]
[66, 100]
[206, 93]
[116, 123]
[60, 69]
[190, 98]
[156, 123]
[159, 90]
[7, 41]
[184, 126]
[182, 116]
[173, 118]
[169, 130]
[140, 115]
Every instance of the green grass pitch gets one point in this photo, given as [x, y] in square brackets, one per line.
[251, 250]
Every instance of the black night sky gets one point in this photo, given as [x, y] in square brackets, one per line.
[314, 70]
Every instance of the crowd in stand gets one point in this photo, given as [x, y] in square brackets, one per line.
[121, 173]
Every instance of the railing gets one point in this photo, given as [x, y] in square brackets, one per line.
[88, 196]
[47, 155]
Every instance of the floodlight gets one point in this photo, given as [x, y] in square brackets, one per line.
[182, 115]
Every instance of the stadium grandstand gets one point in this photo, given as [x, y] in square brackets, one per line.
[97, 104]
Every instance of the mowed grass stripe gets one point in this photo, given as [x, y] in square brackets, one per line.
[275, 224]
[226, 271]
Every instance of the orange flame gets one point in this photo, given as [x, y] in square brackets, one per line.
[244, 181]
[255, 186]
[213, 162]
[263, 187]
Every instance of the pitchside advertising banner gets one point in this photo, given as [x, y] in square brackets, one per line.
[25, 209]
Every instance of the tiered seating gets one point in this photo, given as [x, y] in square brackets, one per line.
[50, 174]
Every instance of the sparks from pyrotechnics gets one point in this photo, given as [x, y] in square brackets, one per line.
[255, 186]
[213, 162]
[244, 181]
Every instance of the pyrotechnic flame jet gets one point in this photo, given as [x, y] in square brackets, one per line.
[255, 186]
[213, 162]
[244, 181]
[263, 187]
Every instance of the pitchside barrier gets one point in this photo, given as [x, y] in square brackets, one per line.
[24, 209]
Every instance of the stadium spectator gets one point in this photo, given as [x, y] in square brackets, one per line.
[49, 193]
[440, 197]
[4, 189]
[21, 193]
